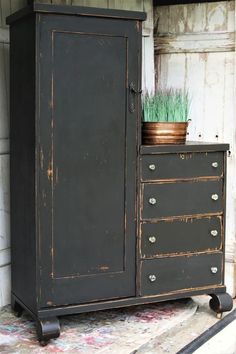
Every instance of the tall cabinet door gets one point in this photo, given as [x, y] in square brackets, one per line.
[87, 150]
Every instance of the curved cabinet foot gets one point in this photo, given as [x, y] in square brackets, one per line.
[48, 328]
[221, 302]
[16, 307]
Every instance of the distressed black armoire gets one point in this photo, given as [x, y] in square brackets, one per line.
[81, 239]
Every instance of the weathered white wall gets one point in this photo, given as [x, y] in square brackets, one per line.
[195, 49]
[10, 6]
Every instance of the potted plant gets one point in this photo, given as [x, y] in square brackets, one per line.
[165, 117]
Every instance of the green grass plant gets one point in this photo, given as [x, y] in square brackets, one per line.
[171, 105]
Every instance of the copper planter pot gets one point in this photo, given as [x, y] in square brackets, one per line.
[164, 133]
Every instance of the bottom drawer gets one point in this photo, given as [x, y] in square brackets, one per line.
[166, 275]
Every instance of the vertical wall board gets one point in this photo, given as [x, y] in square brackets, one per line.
[148, 79]
[62, 2]
[5, 278]
[216, 19]
[178, 15]
[230, 273]
[136, 5]
[231, 16]
[148, 24]
[6, 58]
[17, 5]
[196, 17]
[214, 97]
[94, 3]
[4, 90]
[161, 19]
[44, 1]
[4, 203]
[5, 257]
[171, 70]
[5, 11]
[143, 67]
[195, 73]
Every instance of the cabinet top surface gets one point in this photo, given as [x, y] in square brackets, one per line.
[190, 146]
[76, 11]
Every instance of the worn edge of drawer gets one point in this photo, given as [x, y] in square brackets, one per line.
[183, 254]
[188, 147]
[179, 217]
[182, 179]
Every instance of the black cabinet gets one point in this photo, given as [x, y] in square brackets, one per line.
[86, 130]
[79, 242]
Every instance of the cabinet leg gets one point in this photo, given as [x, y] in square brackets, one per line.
[221, 303]
[48, 328]
[16, 307]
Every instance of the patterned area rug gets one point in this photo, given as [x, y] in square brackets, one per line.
[120, 331]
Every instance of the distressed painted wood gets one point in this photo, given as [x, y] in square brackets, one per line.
[94, 3]
[5, 257]
[5, 278]
[126, 5]
[4, 11]
[195, 43]
[206, 67]
[44, 1]
[61, 2]
[4, 231]
[148, 77]
[174, 2]
[4, 90]
[4, 203]
[17, 5]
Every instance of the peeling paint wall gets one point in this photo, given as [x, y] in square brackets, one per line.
[7, 7]
[195, 49]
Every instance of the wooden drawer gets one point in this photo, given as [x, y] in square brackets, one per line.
[178, 273]
[181, 236]
[182, 198]
[185, 165]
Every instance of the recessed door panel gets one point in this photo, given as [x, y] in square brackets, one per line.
[89, 153]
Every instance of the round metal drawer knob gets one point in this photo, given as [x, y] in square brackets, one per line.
[152, 239]
[214, 270]
[152, 167]
[152, 278]
[152, 201]
[214, 233]
[215, 164]
[214, 197]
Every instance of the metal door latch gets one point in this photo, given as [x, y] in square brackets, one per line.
[132, 99]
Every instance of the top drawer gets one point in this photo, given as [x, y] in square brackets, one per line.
[182, 165]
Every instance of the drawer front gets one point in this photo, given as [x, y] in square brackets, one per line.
[182, 198]
[175, 273]
[181, 236]
[186, 165]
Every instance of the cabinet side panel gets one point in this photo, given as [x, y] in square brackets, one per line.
[22, 160]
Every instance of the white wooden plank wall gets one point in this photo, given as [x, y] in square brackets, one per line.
[195, 49]
[10, 6]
